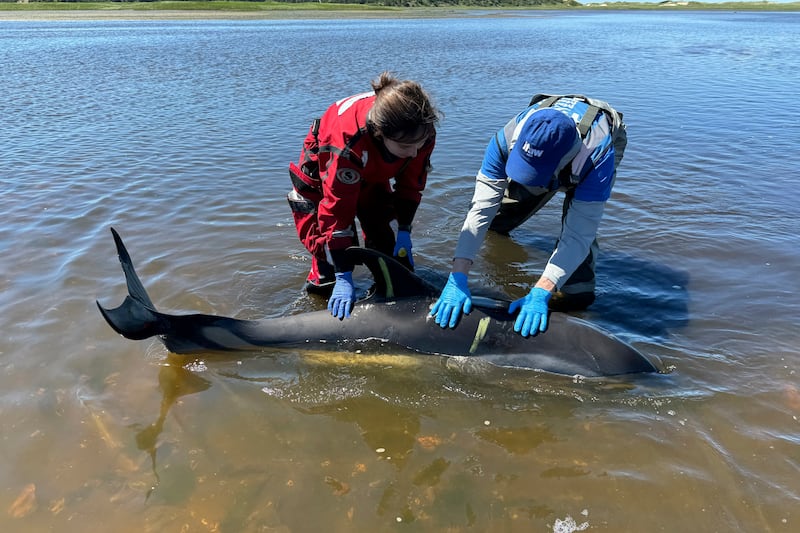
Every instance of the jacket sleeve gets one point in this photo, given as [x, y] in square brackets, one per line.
[482, 210]
[341, 185]
[578, 230]
[490, 184]
[410, 183]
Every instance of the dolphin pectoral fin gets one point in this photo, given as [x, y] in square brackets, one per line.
[392, 278]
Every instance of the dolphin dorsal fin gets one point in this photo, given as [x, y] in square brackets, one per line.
[392, 278]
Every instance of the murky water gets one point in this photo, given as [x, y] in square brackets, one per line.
[178, 134]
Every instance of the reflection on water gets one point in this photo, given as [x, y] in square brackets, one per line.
[174, 382]
[398, 423]
[178, 133]
[638, 299]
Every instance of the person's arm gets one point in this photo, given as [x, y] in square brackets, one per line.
[407, 193]
[337, 211]
[578, 230]
[335, 215]
[455, 298]
[490, 185]
[461, 265]
[483, 208]
[546, 284]
[409, 184]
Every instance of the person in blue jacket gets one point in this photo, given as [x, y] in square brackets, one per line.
[568, 143]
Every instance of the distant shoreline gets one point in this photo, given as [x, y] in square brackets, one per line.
[177, 14]
[266, 11]
[215, 14]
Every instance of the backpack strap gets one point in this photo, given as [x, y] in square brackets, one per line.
[503, 153]
[586, 121]
[547, 100]
[595, 106]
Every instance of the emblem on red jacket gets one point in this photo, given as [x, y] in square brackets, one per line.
[348, 176]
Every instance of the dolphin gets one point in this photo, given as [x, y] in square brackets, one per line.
[394, 315]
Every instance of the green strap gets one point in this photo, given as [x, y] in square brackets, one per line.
[586, 122]
[588, 118]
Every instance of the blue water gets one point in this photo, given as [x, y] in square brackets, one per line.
[179, 133]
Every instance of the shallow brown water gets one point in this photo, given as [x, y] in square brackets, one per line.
[178, 134]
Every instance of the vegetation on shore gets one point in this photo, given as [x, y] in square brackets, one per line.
[180, 5]
[377, 5]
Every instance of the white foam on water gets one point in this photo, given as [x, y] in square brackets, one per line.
[568, 525]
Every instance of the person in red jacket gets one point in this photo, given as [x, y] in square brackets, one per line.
[367, 157]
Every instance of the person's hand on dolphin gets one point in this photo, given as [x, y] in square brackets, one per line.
[454, 300]
[532, 318]
[343, 296]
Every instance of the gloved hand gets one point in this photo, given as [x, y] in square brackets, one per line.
[532, 316]
[343, 295]
[454, 300]
[402, 249]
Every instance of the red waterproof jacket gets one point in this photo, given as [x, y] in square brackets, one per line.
[349, 161]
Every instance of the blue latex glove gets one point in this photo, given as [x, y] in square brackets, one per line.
[402, 248]
[343, 296]
[532, 316]
[454, 300]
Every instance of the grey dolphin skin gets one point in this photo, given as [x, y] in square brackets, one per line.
[395, 314]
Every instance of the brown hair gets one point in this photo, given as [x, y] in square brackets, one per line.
[402, 111]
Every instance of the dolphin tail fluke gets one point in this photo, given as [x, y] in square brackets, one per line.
[137, 317]
[133, 320]
[135, 288]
